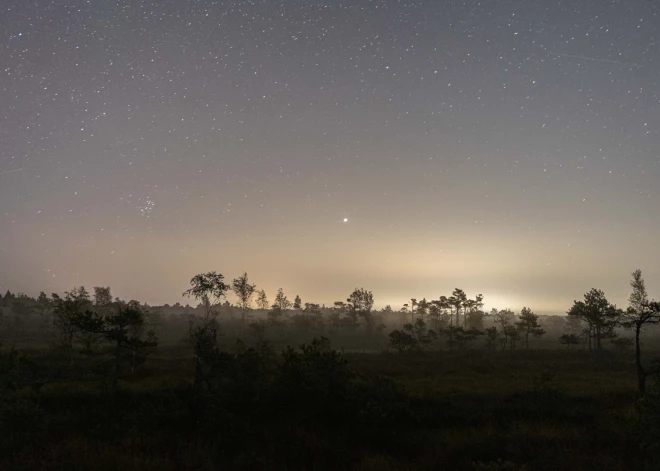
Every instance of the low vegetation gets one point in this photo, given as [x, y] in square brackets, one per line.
[92, 383]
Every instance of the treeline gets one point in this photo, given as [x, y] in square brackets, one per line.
[88, 322]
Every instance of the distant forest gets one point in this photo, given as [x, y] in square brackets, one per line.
[454, 322]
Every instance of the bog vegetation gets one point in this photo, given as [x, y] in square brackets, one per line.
[92, 382]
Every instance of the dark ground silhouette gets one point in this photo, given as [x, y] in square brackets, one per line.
[91, 382]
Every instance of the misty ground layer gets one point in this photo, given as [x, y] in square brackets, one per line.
[531, 410]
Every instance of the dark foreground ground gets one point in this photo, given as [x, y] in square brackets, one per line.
[317, 410]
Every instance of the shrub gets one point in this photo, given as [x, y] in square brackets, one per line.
[313, 382]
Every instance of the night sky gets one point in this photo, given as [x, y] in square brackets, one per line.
[409, 147]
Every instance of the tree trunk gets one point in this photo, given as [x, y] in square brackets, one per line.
[641, 375]
[641, 384]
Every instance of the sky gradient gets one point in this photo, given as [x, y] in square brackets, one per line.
[506, 148]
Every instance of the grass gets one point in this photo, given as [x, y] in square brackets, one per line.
[474, 410]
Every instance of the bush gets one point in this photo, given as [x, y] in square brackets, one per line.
[313, 382]
[402, 341]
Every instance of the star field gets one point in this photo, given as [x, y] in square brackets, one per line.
[510, 148]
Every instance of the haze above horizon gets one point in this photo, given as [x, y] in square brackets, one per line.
[408, 148]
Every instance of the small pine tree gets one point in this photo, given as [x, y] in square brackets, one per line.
[529, 324]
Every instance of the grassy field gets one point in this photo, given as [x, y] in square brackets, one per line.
[474, 410]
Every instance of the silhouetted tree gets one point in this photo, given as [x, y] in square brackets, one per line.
[422, 308]
[65, 310]
[505, 319]
[474, 316]
[458, 299]
[402, 340]
[203, 330]
[423, 335]
[639, 314]
[438, 315]
[44, 306]
[88, 339]
[123, 329]
[297, 303]
[458, 337]
[81, 293]
[598, 313]
[281, 301]
[475, 319]
[144, 331]
[279, 309]
[569, 339]
[512, 334]
[413, 335]
[413, 304]
[360, 303]
[491, 337]
[528, 324]
[262, 300]
[434, 313]
[315, 314]
[479, 301]
[335, 315]
[244, 291]
[468, 307]
[102, 296]
[102, 305]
